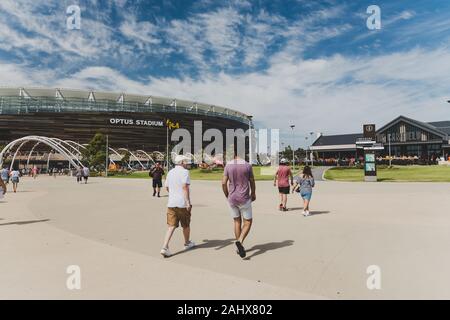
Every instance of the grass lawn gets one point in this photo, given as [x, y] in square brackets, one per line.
[198, 174]
[397, 173]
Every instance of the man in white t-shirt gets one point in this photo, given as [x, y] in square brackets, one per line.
[179, 206]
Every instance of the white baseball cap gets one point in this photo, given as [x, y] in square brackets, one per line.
[181, 158]
[284, 160]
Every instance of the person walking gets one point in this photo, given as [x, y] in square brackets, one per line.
[86, 174]
[4, 175]
[79, 174]
[304, 185]
[238, 185]
[34, 172]
[282, 177]
[15, 175]
[3, 187]
[179, 206]
[157, 173]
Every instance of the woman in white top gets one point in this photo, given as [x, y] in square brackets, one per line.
[15, 174]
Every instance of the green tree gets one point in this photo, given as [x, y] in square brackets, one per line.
[95, 153]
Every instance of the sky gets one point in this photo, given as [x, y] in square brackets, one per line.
[312, 64]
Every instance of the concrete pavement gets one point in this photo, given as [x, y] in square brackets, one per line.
[113, 229]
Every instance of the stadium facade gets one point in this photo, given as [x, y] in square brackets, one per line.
[130, 121]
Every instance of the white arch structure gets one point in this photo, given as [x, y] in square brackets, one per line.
[67, 148]
[52, 143]
[162, 155]
[147, 155]
[124, 149]
[120, 156]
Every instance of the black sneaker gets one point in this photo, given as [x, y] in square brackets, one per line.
[241, 250]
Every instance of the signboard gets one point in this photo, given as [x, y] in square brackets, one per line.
[370, 145]
[369, 131]
[135, 122]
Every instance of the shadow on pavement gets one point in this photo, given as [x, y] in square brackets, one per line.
[23, 222]
[216, 244]
[295, 209]
[263, 248]
[313, 213]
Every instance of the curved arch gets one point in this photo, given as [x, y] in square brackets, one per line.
[71, 143]
[75, 143]
[62, 142]
[47, 141]
[31, 152]
[16, 153]
[159, 153]
[123, 149]
[118, 154]
[148, 156]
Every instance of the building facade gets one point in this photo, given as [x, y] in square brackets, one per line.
[130, 121]
[402, 137]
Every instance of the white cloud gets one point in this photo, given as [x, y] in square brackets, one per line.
[331, 95]
[144, 33]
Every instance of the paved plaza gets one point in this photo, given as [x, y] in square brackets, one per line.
[113, 230]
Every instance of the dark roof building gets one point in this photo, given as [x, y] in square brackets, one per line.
[404, 136]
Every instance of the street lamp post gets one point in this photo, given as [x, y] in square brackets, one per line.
[107, 156]
[306, 150]
[250, 144]
[310, 151]
[293, 149]
[390, 156]
[167, 147]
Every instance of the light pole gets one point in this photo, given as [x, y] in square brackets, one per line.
[306, 150]
[310, 151]
[390, 156]
[107, 157]
[293, 149]
[250, 144]
[167, 147]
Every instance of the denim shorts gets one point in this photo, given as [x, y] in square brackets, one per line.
[306, 195]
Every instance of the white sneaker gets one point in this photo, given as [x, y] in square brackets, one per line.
[165, 252]
[306, 213]
[189, 245]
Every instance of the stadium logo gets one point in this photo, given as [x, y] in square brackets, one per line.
[138, 122]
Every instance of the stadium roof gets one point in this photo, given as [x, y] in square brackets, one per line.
[117, 97]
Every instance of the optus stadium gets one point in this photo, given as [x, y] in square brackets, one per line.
[130, 121]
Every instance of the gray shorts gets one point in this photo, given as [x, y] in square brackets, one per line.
[244, 210]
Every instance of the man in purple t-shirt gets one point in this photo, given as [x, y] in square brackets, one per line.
[238, 185]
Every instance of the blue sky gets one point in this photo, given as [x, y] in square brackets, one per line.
[314, 64]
